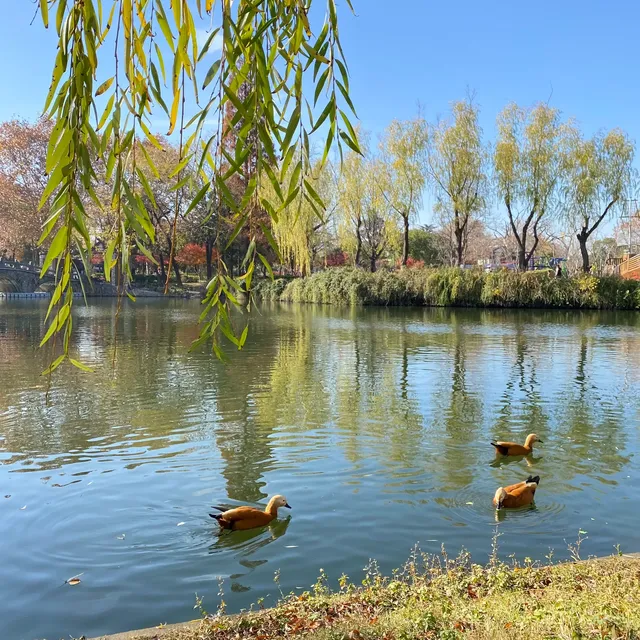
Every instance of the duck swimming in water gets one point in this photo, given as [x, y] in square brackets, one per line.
[514, 449]
[242, 518]
[516, 495]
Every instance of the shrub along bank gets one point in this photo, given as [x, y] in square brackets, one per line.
[454, 287]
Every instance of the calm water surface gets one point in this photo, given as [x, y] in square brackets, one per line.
[374, 423]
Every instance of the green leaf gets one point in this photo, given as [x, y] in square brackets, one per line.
[146, 252]
[345, 95]
[54, 365]
[53, 183]
[211, 74]
[271, 240]
[106, 112]
[323, 116]
[150, 162]
[266, 264]
[293, 124]
[166, 29]
[146, 186]
[352, 131]
[56, 152]
[198, 197]
[243, 337]
[79, 365]
[55, 249]
[57, 323]
[180, 166]
[314, 194]
[241, 220]
[320, 85]
[350, 143]
[207, 44]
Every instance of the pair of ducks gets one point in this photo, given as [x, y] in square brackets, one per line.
[511, 497]
[520, 494]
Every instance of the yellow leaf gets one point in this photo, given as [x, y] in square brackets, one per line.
[44, 9]
[104, 86]
[174, 112]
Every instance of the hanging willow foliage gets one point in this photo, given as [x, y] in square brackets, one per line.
[272, 60]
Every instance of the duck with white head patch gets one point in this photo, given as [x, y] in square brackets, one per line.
[516, 495]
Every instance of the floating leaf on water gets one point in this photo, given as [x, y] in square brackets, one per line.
[291, 546]
[180, 524]
[75, 580]
[8, 495]
[121, 537]
[582, 532]
[469, 502]
[23, 508]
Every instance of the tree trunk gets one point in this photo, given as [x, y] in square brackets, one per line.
[522, 258]
[176, 270]
[163, 273]
[582, 240]
[358, 245]
[405, 240]
[373, 262]
[208, 250]
[459, 233]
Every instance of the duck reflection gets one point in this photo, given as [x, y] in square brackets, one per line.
[530, 460]
[246, 543]
[502, 514]
[249, 541]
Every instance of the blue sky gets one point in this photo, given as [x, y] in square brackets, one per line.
[581, 55]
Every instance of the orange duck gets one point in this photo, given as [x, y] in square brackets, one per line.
[242, 518]
[516, 495]
[514, 449]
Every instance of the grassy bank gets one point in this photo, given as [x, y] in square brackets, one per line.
[455, 287]
[452, 599]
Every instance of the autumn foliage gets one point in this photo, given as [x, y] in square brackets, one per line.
[192, 255]
[23, 150]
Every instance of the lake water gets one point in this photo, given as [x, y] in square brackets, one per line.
[375, 424]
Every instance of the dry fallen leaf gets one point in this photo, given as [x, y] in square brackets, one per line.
[75, 580]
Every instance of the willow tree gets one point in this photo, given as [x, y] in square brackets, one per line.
[119, 62]
[403, 152]
[298, 225]
[456, 161]
[379, 221]
[528, 161]
[367, 225]
[598, 173]
[352, 186]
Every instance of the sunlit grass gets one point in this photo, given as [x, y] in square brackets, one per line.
[438, 597]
